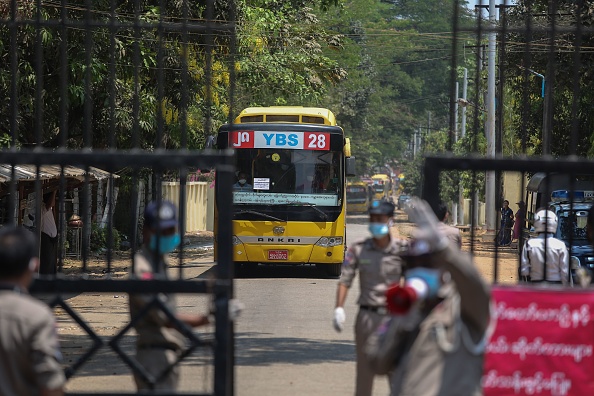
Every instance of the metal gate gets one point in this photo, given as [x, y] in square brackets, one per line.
[101, 95]
[520, 73]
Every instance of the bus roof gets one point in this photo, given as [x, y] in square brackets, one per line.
[297, 114]
[380, 176]
[556, 181]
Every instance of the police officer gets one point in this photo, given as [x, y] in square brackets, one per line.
[159, 342]
[435, 344]
[378, 262]
[550, 266]
[30, 358]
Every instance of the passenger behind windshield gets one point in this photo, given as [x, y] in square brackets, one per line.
[242, 183]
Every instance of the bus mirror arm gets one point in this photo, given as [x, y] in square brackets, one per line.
[350, 166]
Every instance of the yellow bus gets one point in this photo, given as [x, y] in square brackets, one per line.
[382, 186]
[290, 196]
[358, 196]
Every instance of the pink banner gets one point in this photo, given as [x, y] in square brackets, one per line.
[543, 343]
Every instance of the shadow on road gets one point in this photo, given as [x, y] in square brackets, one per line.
[260, 271]
[253, 350]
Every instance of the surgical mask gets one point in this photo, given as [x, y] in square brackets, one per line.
[241, 181]
[430, 276]
[167, 243]
[379, 230]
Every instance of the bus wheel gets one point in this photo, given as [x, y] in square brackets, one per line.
[330, 269]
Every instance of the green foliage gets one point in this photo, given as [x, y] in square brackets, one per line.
[525, 88]
[100, 238]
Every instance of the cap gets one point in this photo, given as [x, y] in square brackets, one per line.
[381, 208]
[161, 215]
[521, 203]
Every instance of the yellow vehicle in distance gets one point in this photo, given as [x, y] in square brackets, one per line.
[358, 195]
[382, 187]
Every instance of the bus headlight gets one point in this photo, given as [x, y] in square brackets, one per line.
[574, 262]
[329, 242]
[235, 241]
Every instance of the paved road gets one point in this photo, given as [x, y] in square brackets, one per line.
[285, 342]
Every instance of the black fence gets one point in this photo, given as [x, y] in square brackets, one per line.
[100, 94]
[520, 126]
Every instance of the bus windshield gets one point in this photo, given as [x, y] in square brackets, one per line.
[573, 222]
[289, 177]
[356, 194]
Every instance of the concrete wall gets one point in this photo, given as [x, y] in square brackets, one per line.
[199, 203]
[512, 188]
[468, 213]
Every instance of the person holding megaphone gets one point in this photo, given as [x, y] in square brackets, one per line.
[433, 342]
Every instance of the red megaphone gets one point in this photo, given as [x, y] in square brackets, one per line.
[401, 298]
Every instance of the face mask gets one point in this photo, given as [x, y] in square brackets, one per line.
[167, 243]
[241, 181]
[378, 230]
[431, 277]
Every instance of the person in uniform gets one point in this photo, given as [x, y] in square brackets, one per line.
[540, 266]
[49, 235]
[30, 358]
[434, 345]
[453, 233]
[377, 260]
[158, 342]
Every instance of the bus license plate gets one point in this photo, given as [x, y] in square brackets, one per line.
[278, 255]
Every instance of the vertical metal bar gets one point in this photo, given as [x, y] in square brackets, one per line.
[223, 352]
[14, 89]
[208, 60]
[62, 231]
[526, 83]
[135, 142]
[160, 105]
[576, 88]
[88, 101]
[549, 81]
[64, 75]
[112, 31]
[38, 133]
[453, 77]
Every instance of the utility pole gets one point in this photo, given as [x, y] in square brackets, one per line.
[462, 134]
[456, 94]
[490, 126]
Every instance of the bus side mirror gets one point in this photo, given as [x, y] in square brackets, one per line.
[350, 166]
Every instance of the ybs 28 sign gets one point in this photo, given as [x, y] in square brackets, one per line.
[542, 345]
[279, 140]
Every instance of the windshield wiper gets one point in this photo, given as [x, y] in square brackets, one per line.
[322, 214]
[254, 212]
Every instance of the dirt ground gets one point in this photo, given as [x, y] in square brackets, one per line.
[95, 266]
[108, 312]
[486, 256]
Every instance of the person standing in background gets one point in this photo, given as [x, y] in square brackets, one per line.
[49, 235]
[507, 220]
[377, 260]
[545, 259]
[30, 358]
[520, 219]
[452, 233]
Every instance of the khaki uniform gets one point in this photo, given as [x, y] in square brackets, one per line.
[30, 357]
[452, 233]
[439, 352]
[158, 346]
[378, 269]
